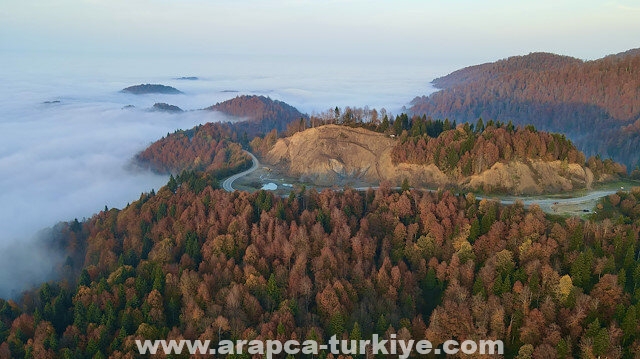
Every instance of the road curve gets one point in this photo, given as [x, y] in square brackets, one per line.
[227, 185]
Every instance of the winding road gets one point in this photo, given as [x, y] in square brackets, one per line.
[227, 185]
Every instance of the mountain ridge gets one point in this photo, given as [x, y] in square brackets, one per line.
[593, 102]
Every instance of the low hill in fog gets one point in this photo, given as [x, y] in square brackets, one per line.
[150, 89]
[261, 113]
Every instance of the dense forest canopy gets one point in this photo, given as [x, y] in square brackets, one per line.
[192, 261]
[202, 263]
[472, 149]
[467, 150]
[165, 107]
[595, 103]
[211, 147]
[218, 146]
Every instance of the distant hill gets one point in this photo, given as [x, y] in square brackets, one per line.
[261, 113]
[165, 107]
[596, 103]
[151, 88]
[491, 159]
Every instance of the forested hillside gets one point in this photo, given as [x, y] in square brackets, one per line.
[151, 89]
[595, 103]
[261, 114]
[217, 147]
[211, 147]
[194, 262]
[529, 161]
[191, 263]
[464, 151]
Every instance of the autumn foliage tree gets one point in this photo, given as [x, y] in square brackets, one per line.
[216, 265]
[211, 147]
[472, 149]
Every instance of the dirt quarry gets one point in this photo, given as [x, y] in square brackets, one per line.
[335, 155]
[338, 155]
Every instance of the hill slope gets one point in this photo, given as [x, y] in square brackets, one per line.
[594, 102]
[217, 147]
[521, 161]
[165, 107]
[261, 114]
[211, 147]
[211, 265]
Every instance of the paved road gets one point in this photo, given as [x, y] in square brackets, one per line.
[551, 204]
[227, 185]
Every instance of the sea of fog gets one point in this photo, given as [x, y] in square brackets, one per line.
[66, 140]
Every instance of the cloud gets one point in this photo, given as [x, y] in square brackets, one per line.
[62, 160]
[28, 262]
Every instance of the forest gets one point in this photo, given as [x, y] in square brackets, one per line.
[468, 150]
[459, 151]
[258, 114]
[217, 147]
[212, 147]
[595, 103]
[191, 261]
[472, 149]
[196, 262]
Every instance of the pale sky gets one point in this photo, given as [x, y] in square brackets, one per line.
[461, 31]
